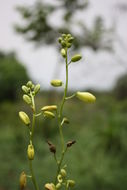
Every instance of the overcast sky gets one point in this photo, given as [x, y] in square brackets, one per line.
[97, 70]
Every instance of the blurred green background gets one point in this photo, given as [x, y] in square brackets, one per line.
[98, 159]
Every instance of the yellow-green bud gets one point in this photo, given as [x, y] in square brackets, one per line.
[63, 172]
[59, 178]
[63, 53]
[30, 152]
[65, 120]
[76, 57]
[49, 114]
[49, 186]
[49, 108]
[25, 89]
[58, 185]
[56, 83]
[22, 180]
[69, 45]
[70, 39]
[37, 88]
[63, 43]
[71, 183]
[29, 84]
[86, 97]
[27, 99]
[24, 117]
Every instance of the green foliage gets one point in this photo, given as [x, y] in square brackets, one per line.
[12, 75]
[38, 29]
[120, 89]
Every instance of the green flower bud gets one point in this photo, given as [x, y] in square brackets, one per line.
[59, 178]
[49, 114]
[65, 120]
[59, 40]
[25, 89]
[29, 84]
[27, 99]
[63, 43]
[63, 172]
[50, 186]
[86, 97]
[22, 180]
[56, 83]
[37, 88]
[58, 186]
[71, 39]
[63, 53]
[68, 35]
[69, 45]
[49, 108]
[30, 152]
[24, 117]
[76, 57]
[71, 183]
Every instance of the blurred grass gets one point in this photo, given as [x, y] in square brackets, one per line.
[96, 161]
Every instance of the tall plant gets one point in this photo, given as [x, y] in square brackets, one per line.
[52, 111]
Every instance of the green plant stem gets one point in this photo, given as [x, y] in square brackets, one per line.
[60, 120]
[33, 176]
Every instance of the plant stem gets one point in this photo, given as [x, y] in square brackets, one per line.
[33, 176]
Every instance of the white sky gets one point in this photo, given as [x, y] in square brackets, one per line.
[98, 70]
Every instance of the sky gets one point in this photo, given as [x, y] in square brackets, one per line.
[96, 70]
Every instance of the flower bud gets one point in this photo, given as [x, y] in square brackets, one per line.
[66, 120]
[49, 114]
[49, 186]
[29, 84]
[70, 143]
[71, 183]
[22, 180]
[76, 57]
[30, 152]
[63, 53]
[24, 117]
[37, 88]
[70, 39]
[58, 185]
[49, 108]
[63, 172]
[63, 43]
[69, 45]
[25, 89]
[59, 40]
[59, 178]
[56, 83]
[27, 99]
[86, 97]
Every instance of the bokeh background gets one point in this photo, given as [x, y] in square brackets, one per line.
[29, 51]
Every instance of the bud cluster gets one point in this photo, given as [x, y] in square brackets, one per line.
[66, 40]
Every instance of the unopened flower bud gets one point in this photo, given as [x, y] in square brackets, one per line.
[37, 88]
[69, 45]
[30, 152]
[59, 40]
[63, 172]
[66, 120]
[56, 83]
[76, 57]
[24, 117]
[27, 99]
[86, 97]
[63, 53]
[59, 178]
[29, 84]
[63, 43]
[49, 114]
[25, 89]
[49, 186]
[22, 180]
[49, 108]
[70, 39]
[58, 185]
[71, 183]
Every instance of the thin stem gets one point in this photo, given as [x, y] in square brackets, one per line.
[33, 176]
[69, 97]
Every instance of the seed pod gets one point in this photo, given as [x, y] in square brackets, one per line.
[22, 180]
[63, 53]
[86, 97]
[49, 186]
[63, 172]
[58, 185]
[70, 143]
[29, 84]
[71, 183]
[25, 89]
[52, 147]
[49, 108]
[76, 57]
[24, 117]
[30, 152]
[37, 88]
[49, 114]
[56, 83]
[27, 99]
